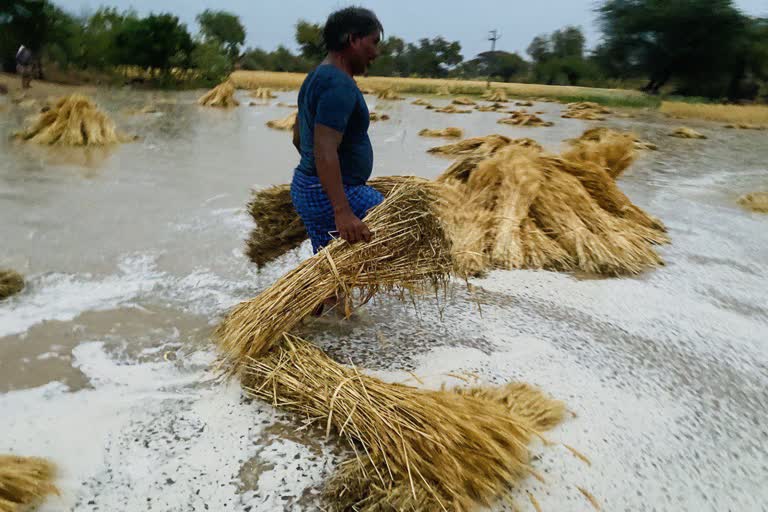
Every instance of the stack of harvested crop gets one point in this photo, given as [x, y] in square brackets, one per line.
[518, 118]
[221, 96]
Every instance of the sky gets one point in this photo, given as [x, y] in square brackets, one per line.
[271, 24]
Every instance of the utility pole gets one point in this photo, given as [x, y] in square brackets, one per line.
[493, 36]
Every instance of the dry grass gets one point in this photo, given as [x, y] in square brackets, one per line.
[263, 93]
[256, 79]
[11, 283]
[451, 132]
[481, 146]
[508, 204]
[285, 123]
[451, 109]
[414, 449]
[586, 111]
[375, 116]
[388, 94]
[287, 105]
[518, 118]
[24, 482]
[558, 213]
[687, 133]
[463, 100]
[495, 107]
[422, 102]
[279, 228]
[409, 249]
[221, 96]
[745, 126]
[497, 96]
[755, 201]
[523, 103]
[607, 148]
[746, 114]
[73, 121]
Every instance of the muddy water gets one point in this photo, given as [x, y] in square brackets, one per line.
[133, 254]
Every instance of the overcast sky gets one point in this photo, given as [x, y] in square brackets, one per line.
[270, 24]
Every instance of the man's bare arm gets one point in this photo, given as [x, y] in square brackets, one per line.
[297, 136]
[327, 142]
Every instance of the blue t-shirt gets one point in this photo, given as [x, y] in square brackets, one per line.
[330, 97]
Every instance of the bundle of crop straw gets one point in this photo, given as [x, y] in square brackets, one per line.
[524, 103]
[11, 283]
[287, 105]
[263, 93]
[482, 146]
[755, 201]
[451, 132]
[451, 109]
[375, 116]
[279, 228]
[221, 96]
[73, 121]
[24, 482]
[607, 148]
[586, 111]
[537, 210]
[601, 133]
[415, 449]
[421, 102]
[495, 107]
[497, 95]
[285, 123]
[746, 126]
[463, 100]
[409, 249]
[687, 133]
[518, 118]
[388, 94]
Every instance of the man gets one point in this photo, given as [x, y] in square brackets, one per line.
[24, 66]
[329, 188]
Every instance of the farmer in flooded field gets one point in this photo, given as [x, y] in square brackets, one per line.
[24, 66]
[329, 188]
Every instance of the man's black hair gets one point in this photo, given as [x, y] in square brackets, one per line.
[346, 23]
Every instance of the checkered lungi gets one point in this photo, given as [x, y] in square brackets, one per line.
[316, 212]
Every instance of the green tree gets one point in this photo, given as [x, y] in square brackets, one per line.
[694, 41]
[100, 32]
[223, 28]
[390, 61]
[568, 42]
[309, 37]
[155, 42]
[432, 57]
[540, 48]
[558, 58]
[211, 61]
[499, 64]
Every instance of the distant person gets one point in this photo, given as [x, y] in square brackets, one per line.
[24, 66]
[329, 188]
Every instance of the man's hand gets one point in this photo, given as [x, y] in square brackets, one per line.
[351, 228]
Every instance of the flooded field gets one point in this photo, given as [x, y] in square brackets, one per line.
[132, 255]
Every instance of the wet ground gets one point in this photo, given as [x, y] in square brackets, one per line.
[133, 254]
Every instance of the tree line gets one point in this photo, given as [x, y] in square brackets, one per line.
[703, 48]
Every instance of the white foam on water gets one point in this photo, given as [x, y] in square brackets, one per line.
[152, 434]
[640, 452]
[65, 296]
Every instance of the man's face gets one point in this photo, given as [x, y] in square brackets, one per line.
[363, 51]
